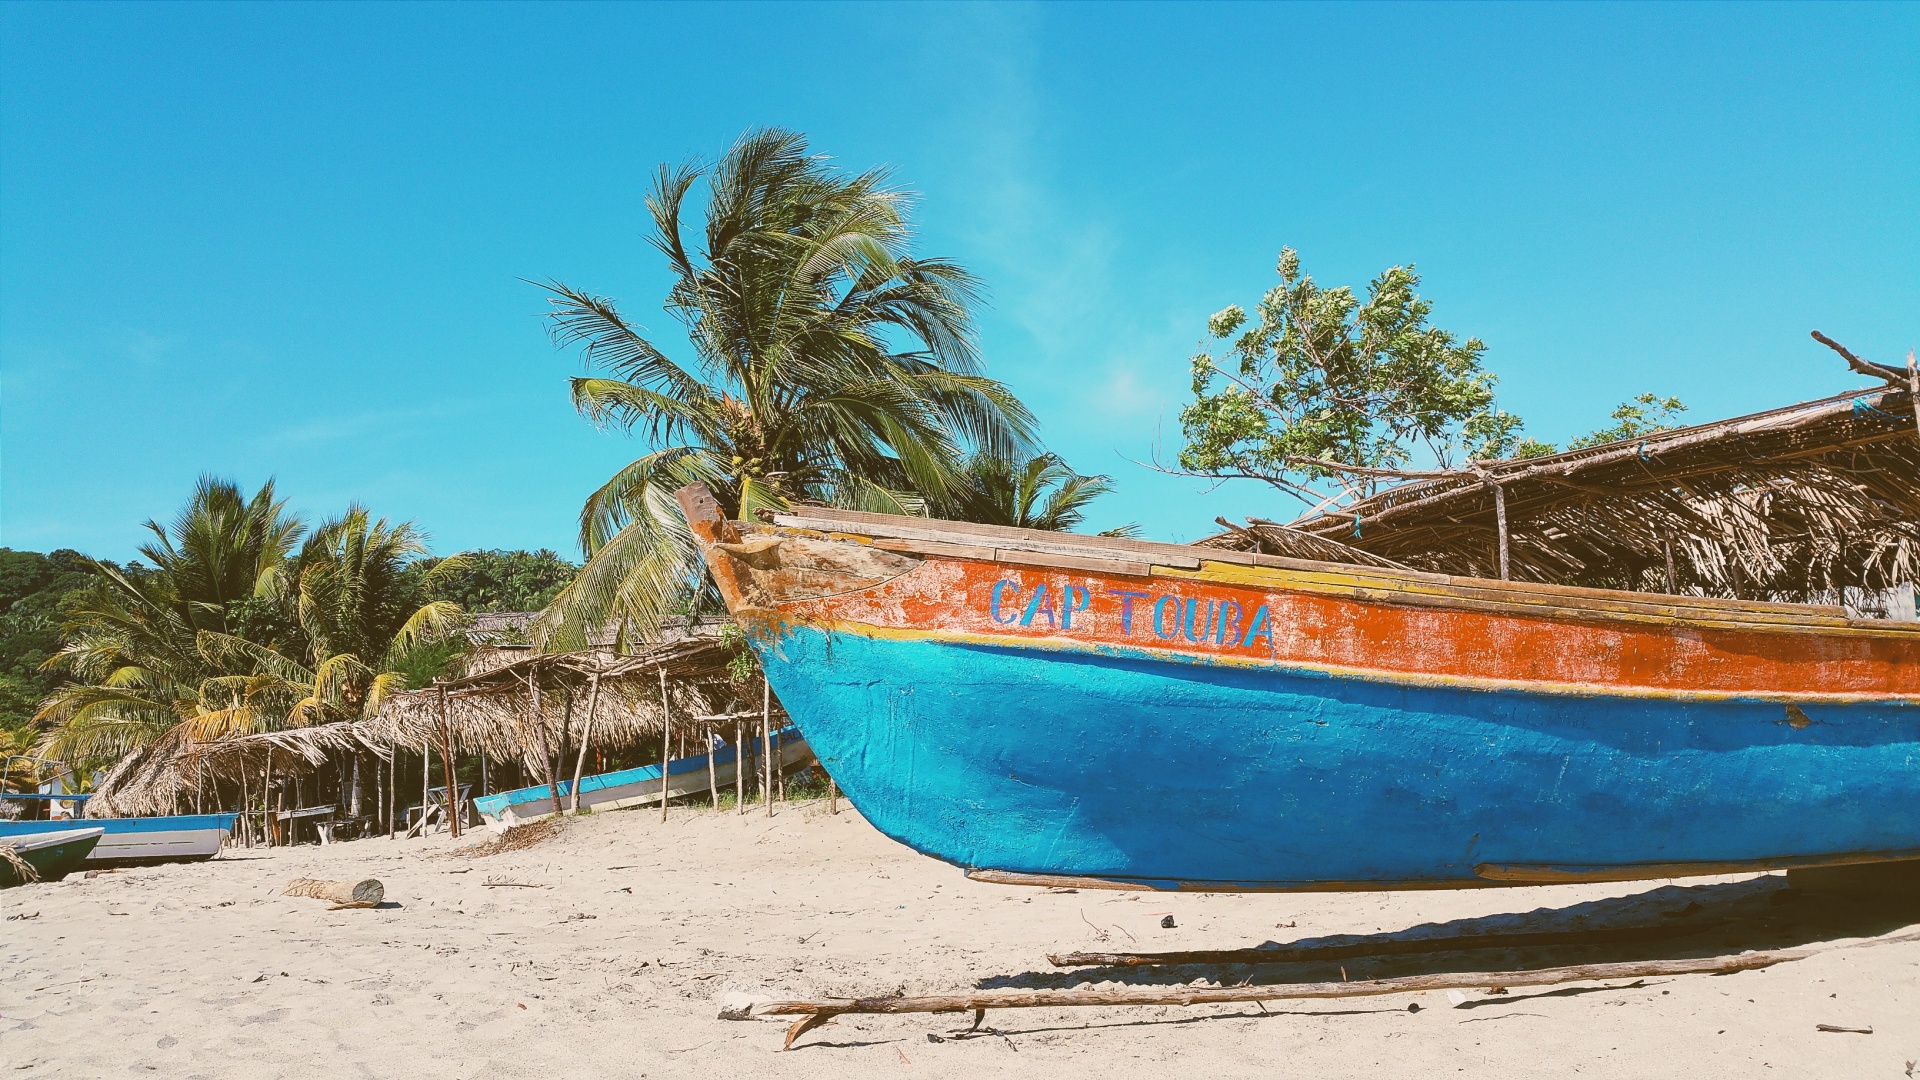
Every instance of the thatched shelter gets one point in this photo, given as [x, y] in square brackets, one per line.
[1817, 502]
[525, 713]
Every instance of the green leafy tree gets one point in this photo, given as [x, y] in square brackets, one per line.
[34, 590]
[137, 639]
[366, 630]
[1321, 378]
[1037, 492]
[500, 580]
[829, 364]
[1644, 415]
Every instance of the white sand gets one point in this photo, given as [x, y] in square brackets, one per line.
[612, 970]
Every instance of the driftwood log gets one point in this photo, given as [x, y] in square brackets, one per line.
[814, 1013]
[1296, 954]
[344, 894]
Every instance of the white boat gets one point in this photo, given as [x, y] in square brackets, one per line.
[138, 841]
[686, 776]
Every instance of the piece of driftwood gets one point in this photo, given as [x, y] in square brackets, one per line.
[1393, 947]
[344, 894]
[814, 1013]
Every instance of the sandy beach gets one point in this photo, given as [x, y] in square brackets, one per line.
[607, 953]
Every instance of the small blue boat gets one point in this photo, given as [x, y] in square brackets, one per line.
[140, 841]
[640, 787]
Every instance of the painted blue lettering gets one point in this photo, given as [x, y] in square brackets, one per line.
[1039, 605]
[1074, 599]
[1228, 624]
[1160, 616]
[1193, 609]
[1126, 607]
[1260, 627]
[993, 607]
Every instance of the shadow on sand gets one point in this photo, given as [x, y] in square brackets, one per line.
[1680, 922]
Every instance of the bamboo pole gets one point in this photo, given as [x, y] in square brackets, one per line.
[814, 1013]
[586, 738]
[1673, 587]
[766, 744]
[393, 789]
[739, 765]
[666, 741]
[446, 764]
[833, 793]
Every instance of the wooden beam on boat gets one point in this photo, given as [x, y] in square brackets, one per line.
[817, 1012]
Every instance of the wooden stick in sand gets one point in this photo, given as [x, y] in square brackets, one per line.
[713, 778]
[1391, 947]
[446, 768]
[814, 1013]
[739, 766]
[344, 894]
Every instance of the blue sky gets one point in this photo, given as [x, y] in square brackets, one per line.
[285, 240]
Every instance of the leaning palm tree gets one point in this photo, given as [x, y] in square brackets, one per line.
[829, 365]
[136, 641]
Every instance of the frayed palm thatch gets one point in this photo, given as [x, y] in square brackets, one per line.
[514, 838]
[1810, 503]
[491, 712]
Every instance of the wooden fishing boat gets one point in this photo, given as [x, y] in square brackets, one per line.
[1045, 708]
[53, 855]
[139, 841]
[641, 787]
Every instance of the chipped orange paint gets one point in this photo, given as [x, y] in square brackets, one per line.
[956, 599]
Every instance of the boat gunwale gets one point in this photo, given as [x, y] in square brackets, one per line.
[1133, 558]
[1304, 669]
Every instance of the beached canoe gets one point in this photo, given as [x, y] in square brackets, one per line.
[53, 855]
[641, 786]
[1046, 708]
[139, 841]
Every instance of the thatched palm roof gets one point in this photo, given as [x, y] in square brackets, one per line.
[1798, 502]
[490, 712]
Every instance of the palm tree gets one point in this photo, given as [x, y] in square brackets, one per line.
[136, 642]
[830, 365]
[1038, 492]
[356, 607]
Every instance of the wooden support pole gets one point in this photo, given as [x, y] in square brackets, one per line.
[446, 762]
[1500, 523]
[586, 738]
[266, 801]
[393, 789]
[815, 1013]
[1913, 387]
[1673, 587]
[833, 793]
[666, 742]
[426, 781]
[713, 777]
[766, 743]
[246, 807]
[739, 766]
[546, 751]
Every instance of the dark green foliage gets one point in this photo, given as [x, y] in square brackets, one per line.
[1037, 492]
[34, 594]
[501, 580]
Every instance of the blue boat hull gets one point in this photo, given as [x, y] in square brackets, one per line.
[1105, 764]
[137, 841]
